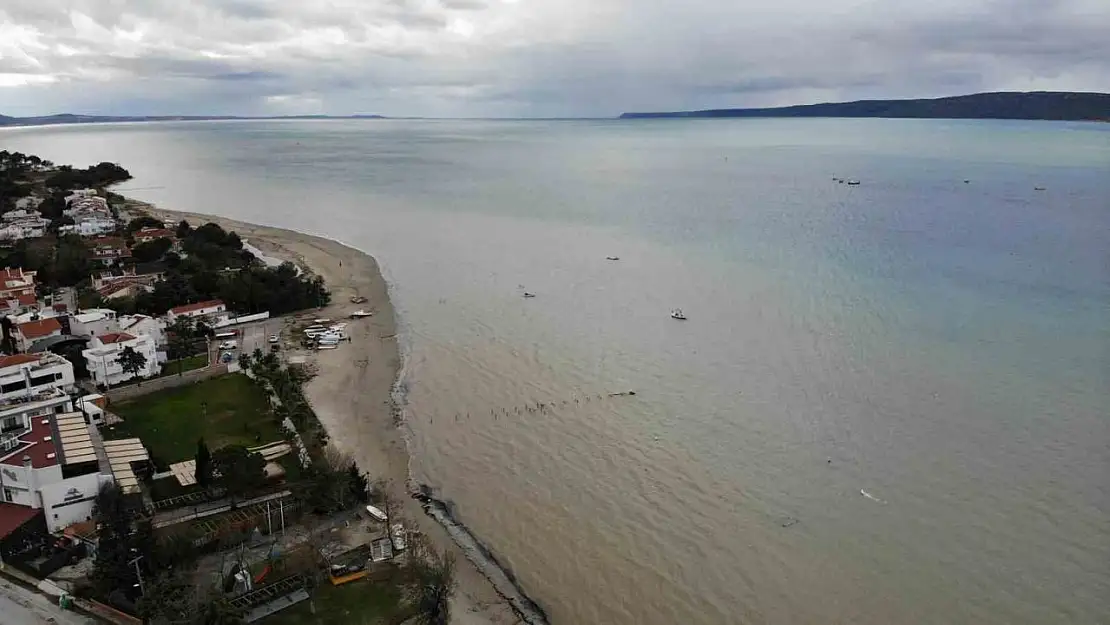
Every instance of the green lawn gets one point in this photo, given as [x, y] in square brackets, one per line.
[359, 602]
[226, 410]
[174, 367]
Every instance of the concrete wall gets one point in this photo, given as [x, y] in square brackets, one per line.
[170, 381]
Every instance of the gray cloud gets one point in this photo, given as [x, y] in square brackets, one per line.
[532, 57]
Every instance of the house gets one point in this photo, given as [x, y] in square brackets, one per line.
[146, 235]
[102, 358]
[16, 282]
[209, 310]
[26, 334]
[109, 250]
[30, 311]
[24, 376]
[89, 225]
[22, 224]
[48, 463]
[19, 306]
[121, 282]
[142, 325]
[97, 321]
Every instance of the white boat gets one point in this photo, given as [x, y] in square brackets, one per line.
[319, 347]
[359, 314]
[320, 320]
[527, 294]
[376, 513]
[678, 314]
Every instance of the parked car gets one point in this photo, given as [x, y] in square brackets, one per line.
[229, 345]
[274, 338]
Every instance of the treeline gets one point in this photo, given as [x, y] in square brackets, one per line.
[65, 261]
[23, 174]
[214, 265]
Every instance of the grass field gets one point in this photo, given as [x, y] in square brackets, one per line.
[358, 603]
[226, 410]
[190, 363]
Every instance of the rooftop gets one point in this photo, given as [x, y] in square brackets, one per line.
[13, 516]
[115, 337]
[17, 359]
[42, 327]
[188, 308]
[38, 445]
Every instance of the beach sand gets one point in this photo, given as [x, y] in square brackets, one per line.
[351, 393]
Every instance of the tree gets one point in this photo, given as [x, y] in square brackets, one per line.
[151, 250]
[433, 585]
[238, 470]
[131, 361]
[203, 472]
[117, 546]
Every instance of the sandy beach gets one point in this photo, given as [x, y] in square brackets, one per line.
[351, 393]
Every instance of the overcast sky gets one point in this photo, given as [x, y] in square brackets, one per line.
[531, 57]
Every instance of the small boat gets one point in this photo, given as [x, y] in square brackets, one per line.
[612, 258]
[358, 299]
[853, 183]
[397, 534]
[325, 346]
[527, 294]
[360, 313]
[376, 513]
[1038, 188]
[320, 320]
[678, 314]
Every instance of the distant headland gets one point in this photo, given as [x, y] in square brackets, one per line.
[1046, 105]
[68, 118]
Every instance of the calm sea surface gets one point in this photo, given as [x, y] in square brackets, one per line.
[942, 346]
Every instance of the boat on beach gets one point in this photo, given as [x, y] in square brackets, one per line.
[678, 314]
[360, 313]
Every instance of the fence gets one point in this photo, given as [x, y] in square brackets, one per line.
[170, 381]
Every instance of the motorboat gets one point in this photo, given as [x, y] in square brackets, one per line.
[397, 535]
[853, 183]
[612, 258]
[325, 346]
[678, 314]
[376, 513]
[360, 313]
[527, 294]
[358, 299]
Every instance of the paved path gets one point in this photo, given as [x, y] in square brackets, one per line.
[19, 606]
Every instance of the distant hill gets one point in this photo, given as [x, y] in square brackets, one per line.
[1051, 105]
[68, 118]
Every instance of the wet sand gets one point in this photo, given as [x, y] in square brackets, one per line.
[352, 390]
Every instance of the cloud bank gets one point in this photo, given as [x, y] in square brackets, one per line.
[531, 57]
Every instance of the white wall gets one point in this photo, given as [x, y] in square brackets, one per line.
[71, 500]
[15, 480]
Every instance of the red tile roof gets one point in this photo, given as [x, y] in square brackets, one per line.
[188, 308]
[115, 337]
[27, 299]
[16, 274]
[18, 359]
[59, 307]
[42, 327]
[13, 516]
[154, 233]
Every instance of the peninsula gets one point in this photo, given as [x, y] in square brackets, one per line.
[1043, 105]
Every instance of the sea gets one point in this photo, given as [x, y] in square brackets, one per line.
[888, 403]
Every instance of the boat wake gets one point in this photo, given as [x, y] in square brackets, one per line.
[870, 496]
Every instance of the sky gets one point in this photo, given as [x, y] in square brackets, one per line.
[531, 58]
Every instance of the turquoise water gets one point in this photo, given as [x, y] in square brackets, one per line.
[938, 344]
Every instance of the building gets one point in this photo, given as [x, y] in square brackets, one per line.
[210, 310]
[109, 251]
[16, 282]
[103, 353]
[146, 235]
[94, 322]
[142, 325]
[89, 225]
[22, 224]
[26, 334]
[19, 306]
[27, 375]
[120, 282]
[48, 462]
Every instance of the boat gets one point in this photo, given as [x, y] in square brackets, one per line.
[527, 294]
[360, 313]
[358, 299]
[322, 347]
[397, 534]
[612, 258]
[853, 183]
[376, 513]
[1038, 188]
[678, 314]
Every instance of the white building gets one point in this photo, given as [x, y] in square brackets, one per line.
[210, 310]
[26, 334]
[102, 358]
[94, 322]
[48, 462]
[142, 325]
[89, 225]
[28, 375]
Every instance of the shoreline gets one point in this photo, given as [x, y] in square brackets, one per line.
[354, 394]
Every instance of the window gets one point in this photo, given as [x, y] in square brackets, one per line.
[8, 496]
[11, 423]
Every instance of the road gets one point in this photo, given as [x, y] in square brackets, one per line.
[253, 336]
[19, 606]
